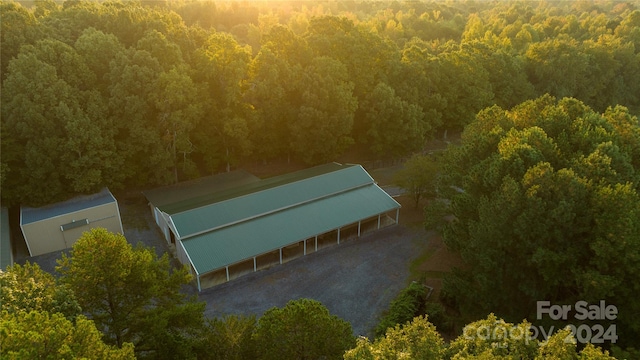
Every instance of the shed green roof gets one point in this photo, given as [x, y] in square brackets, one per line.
[243, 240]
[270, 195]
[259, 217]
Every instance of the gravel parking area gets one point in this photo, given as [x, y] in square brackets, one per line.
[354, 280]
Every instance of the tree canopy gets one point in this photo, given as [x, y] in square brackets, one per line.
[42, 319]
[418, 177]
[543, 192]
[122, 94]
[26, 288]
[549, 210]
[44, 335]
[132, 295]
[490, 338]
[303, 329]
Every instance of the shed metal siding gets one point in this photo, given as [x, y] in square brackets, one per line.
[231, 244]
[58, 226]
[45, 236]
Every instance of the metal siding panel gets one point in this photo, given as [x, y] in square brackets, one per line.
[45, 236]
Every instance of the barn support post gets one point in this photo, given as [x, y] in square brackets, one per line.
[198, 280]
[316, 243]
[304, 249]
[227, 269]
[338, 236]
[359, 222]
[379, 221]
[397, 215]
[255, 264]
[280, 256]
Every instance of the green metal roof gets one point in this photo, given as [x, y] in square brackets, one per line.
[262, 234]
[270, 195]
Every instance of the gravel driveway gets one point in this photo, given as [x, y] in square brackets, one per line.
[355, 280]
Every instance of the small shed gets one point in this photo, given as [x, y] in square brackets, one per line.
[58, 226]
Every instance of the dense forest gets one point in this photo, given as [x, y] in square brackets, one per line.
[549, 210]
[540, 198]
[122, 94]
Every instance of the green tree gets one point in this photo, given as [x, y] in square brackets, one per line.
[18, 26]
[556, 66]
[65, 143]
[465, 86]
[288, 46]
[98, 49]
[418, 177]
[547, 186]
[179, 108]
[357, 48]
[490, 338]
[303, 329]
[629, 28]
[493, 338]
[407, 305]
[229, 338]
[132, 295]
[139, 139]
[322, 130]
[417, 339]
[395, 127]
[156, 43]
[505, 69]
[45, 7]
[271, 92]
[416, 78]
[222, 64]
[26, 288]
[42, 335]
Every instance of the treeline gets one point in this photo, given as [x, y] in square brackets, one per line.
[545, 198]
[135, 94]
[115, 301]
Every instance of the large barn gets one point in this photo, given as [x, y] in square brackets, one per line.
[58, 226]
[233, 224]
